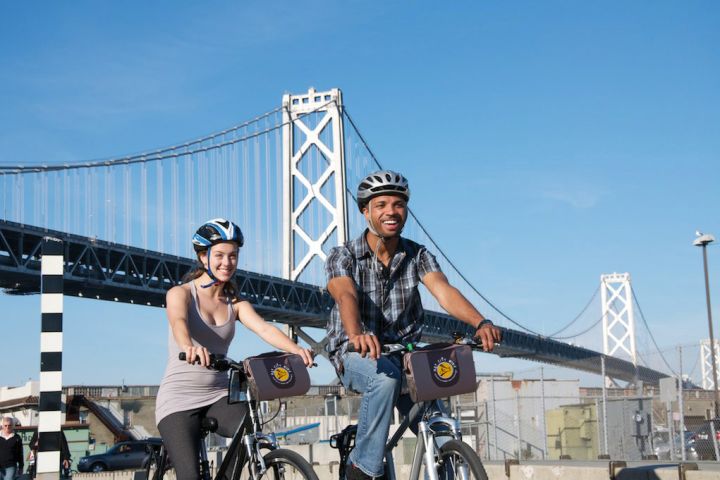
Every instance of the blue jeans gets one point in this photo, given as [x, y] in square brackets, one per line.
[379, 381]
[8, 473]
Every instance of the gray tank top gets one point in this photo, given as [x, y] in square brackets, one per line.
[185, 386]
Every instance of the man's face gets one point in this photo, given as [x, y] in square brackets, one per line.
[387, 214]
[7, 426]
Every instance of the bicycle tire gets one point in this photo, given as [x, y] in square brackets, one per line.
[458, 460]
[283, 464]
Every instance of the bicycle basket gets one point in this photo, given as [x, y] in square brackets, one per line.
[276, 375]
[439, 371]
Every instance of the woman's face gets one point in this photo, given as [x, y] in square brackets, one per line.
[223, 260]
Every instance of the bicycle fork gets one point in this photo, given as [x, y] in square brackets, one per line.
[427, 450]
[253, 443]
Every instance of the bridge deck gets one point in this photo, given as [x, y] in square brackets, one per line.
[113, 272]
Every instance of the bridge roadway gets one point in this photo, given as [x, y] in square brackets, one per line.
[108, 271]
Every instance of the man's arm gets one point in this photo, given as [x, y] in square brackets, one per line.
[459, 307]
[345, 295]
[19, 454]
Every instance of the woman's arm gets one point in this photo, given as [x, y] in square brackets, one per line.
[272, 335]
[178, 301]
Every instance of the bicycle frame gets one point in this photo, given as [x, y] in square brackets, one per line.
[430, 427]
[435, 424]
[252, 442]
[248, 439]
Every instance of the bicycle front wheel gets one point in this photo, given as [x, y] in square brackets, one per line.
[156, 466]
[457, 460]
[285, 464]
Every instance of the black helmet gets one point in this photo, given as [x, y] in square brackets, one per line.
[383, 182]
[215, 231]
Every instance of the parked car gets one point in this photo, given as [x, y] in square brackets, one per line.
[703, 439]
[121, 456]
[661, 445]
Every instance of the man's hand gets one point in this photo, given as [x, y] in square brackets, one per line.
[489, 335]
[306, 354]
[365, 344]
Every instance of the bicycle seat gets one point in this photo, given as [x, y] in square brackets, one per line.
[209, 424]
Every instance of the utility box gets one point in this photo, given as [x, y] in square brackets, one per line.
[572, 431]
[629, 426]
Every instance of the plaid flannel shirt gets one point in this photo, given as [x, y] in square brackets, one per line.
[388, 297]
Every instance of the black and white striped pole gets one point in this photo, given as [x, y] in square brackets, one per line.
[50, 403]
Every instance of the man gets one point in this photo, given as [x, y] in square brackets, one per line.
[11, 450]
[374, 281]
[65, 459]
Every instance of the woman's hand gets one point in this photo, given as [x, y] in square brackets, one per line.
[197, 354]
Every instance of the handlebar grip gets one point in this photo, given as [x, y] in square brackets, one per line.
[182, 356]
[385, 349]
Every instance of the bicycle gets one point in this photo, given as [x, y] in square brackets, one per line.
[249, 441]
[440, 453]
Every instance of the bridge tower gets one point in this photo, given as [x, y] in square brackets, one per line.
[618, 318]
[312, 126]
[313, 185]
[706, 363]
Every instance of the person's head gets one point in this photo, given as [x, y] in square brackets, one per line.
[216, 244]
[382, 197]
[8, 425]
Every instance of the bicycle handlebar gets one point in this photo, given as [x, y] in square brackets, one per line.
[459, 339]
[388, 348]
[218, 362]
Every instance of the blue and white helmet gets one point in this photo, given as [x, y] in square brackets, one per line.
[215, 231]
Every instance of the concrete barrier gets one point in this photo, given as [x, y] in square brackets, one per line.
[556, 472]
[495, 471]
[702, 475]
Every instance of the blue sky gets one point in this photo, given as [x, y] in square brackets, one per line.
[546, 142]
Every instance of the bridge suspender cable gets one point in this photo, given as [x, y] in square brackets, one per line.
[642, 316]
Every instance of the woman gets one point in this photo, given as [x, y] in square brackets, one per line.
[202, 314]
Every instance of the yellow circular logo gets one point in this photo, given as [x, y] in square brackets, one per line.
[281, 374]
[445, 370]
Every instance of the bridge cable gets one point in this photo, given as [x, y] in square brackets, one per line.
[553, 335]
[692, 370]
[142, 156]
[422, 227]
[642, 316]
[497, 309]
[164, 153]
[581, 333]
[645, 363]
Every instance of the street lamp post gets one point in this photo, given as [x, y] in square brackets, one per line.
[703, 240]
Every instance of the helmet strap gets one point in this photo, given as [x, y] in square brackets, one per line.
[209, 272]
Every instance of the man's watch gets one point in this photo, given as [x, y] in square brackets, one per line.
[486, 321]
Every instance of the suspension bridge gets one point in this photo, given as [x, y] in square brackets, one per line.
[283, 177]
